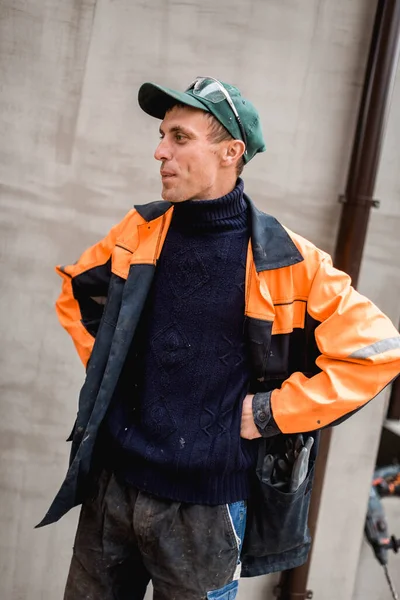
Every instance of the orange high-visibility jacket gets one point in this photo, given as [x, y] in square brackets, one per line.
[318, 349]
[355, 347]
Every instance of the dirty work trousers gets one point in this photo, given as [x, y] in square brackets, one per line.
[126, 538]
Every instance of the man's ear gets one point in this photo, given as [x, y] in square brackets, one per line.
[232, 152]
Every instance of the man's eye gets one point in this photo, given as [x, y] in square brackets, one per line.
[179, 137]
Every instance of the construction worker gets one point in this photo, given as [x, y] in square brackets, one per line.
[217, 344]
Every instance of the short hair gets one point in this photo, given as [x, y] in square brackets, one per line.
[217, 133]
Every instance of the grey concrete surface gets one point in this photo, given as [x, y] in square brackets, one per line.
[76, 153]
[355, 443]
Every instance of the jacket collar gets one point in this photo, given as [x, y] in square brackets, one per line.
[272, 246]
[153, 210]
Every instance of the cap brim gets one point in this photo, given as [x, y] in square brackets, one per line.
[155, 100]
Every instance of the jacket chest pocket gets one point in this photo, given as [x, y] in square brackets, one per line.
[289, 315]
[258, 334]
[269, 354]
[276, 347]
[120, 261]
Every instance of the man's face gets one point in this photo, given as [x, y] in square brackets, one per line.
[190, 163]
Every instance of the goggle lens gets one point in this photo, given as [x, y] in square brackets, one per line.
[212, 90]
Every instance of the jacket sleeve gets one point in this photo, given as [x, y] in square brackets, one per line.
[359, 355]
[84, 292]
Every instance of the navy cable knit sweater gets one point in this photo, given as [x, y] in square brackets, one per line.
[175, 418]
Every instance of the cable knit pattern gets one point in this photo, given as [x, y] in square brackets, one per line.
[175, 420]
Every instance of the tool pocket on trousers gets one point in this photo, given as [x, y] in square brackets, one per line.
[228, 592]
[278, 521]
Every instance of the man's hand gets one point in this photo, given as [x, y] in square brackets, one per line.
[248, 429]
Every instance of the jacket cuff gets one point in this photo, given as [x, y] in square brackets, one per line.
[262, 415]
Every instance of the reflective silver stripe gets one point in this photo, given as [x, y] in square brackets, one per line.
[377, 348]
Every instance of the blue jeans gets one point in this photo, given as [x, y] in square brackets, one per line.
[237, 512]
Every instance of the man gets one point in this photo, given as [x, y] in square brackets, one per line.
[217, 345]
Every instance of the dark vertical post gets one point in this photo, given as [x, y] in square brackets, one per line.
[357, 203]
[394, 402]
[374, 110]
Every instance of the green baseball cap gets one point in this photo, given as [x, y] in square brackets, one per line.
[224, 101]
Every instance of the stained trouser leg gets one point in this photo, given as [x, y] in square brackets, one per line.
[106, 563]
[189, 550]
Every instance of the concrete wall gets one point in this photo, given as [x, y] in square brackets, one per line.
[76, 153]
[355, 443]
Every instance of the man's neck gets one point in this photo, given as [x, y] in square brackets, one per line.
[220, 189]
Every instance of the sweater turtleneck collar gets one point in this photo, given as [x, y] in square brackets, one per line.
[222, 214]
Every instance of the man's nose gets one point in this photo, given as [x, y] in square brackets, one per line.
[163, 151]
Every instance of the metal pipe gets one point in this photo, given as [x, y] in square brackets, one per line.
[357, 203]
[394, 402]
[373, 114]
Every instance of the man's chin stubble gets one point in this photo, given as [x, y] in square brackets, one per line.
[173, 199]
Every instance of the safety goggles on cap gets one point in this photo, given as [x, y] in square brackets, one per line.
[212, 90]
[237, 114]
